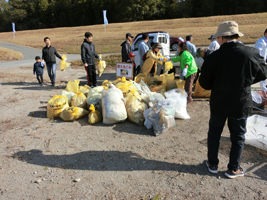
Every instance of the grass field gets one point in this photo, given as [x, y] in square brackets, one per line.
[68, 40]
[9, 55]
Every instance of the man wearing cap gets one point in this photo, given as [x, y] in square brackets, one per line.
[214, 45]
[126, 47]
[229, 73]
[261, 44]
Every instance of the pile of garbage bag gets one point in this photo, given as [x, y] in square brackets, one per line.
[151, 101]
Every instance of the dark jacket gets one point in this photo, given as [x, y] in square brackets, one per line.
[38, 68]
[125, 50]
[49, 55]
[88, 53]
[229, 73]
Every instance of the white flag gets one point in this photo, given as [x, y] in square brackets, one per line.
[105, 17]
[13, 27]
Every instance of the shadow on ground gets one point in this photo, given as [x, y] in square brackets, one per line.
[105, 161]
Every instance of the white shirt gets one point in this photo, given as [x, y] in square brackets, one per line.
[261, 44]
[191, 48]
[214, 45]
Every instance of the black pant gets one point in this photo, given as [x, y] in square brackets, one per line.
[39, 78]
[91, 75]
[237, 128]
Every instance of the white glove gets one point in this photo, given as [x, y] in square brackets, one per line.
[42, 64]
[161, 59]
[184, 72]
[99, 58]
[168, 57]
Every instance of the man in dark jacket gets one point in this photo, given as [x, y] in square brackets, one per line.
[126, 47]
[229, 73]
[49, 54]
[88, 55]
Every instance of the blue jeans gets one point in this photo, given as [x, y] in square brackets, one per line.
[237, 128]
[51, 70]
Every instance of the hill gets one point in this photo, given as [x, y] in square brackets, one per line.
[68, 40]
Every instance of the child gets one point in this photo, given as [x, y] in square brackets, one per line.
[132, 60]
[38, 69]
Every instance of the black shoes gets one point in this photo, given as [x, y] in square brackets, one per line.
[234, 174]
[212, 168]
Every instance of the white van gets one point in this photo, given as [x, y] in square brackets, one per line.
[163, 38]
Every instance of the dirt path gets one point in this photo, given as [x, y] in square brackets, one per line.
[41, 158]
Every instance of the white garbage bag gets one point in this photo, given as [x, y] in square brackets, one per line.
[94, 90]
[180, 97]
[257, 132]
[113, 106]
[69, 95]
[148, 123]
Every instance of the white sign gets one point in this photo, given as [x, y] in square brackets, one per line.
[124, 70]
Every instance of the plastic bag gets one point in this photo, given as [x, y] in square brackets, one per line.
[72, 113]
[113, 107]
[126, 89]
[167, 77]
[135, 108]
[73, 86]
[201, 92]
[56, 105]
[148, 123]
[162, 116]
[101, 67]
[120, 82]
[144, 93]
[95, 100]
[94, 90]
[140, 77]
[155, 97]
[79, 100]
[85, 89]
[69, 95]
[180, 97]
[168, 66]
[180, 83]
[257, 132]
[63, 64]
[94, 116]
[158, 88]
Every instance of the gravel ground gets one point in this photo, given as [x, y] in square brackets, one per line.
[52, 159]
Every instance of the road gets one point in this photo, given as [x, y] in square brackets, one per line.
[29, 55]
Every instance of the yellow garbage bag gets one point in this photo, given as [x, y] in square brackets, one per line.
[140, 77]
[121, 82]
[168, 66]
[72, 113]
[79, 100]
[106, 83]
[156, 80]
[201, 92]
[94, 116]
[180, 83]
[164, 60]
[135, 108]
[63, 64]
[167, 77]
[73, 86]
[101, 66]
[85, 89]
[126, 89]
[171, 84]
[56, 105]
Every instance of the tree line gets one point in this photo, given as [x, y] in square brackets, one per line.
[36, 14]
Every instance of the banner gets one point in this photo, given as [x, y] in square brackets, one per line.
[13, 27]
[105, 17]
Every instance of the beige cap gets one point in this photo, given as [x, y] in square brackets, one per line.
[228, 28]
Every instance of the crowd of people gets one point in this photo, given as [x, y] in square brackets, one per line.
[229, 70]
